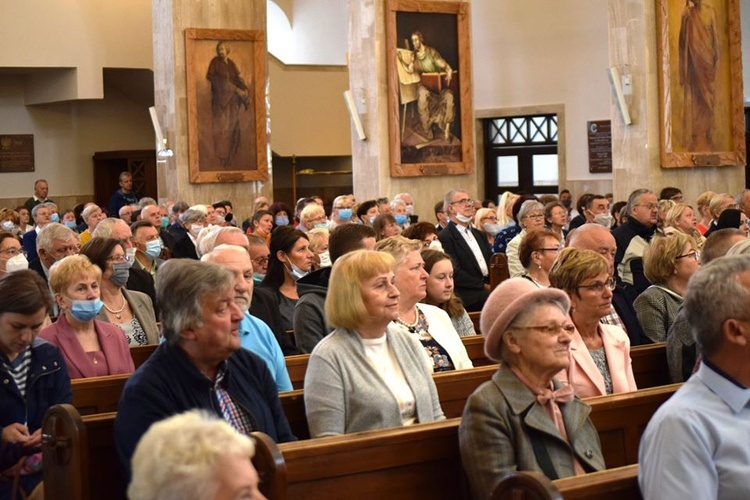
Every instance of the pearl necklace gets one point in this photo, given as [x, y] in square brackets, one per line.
[117, 312]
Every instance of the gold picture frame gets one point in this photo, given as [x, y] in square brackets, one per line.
[700, 83]
[429, 88]
[226, 82]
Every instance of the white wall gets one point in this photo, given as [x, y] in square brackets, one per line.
[538, 52]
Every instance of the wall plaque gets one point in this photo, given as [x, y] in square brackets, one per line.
[17, 153]
[600, 146]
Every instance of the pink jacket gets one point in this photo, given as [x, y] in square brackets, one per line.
[582, 373]
[112, 340]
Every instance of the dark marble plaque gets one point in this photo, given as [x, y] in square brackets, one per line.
[17, 153]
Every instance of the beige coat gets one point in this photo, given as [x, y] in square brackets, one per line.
[143, 309]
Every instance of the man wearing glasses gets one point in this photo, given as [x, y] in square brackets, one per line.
[632, 239]
[469, 249]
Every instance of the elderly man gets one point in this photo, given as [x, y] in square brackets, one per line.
[259, 254]
[341, 213]
[126, 213]
[255, 335]
[596, 210]
[469, 249]
[696, 445]
[55, 242]
[41, 214]
[310, 324]
[41, 190]
[200, 364]
[596, 237]
[219, 235]
[409, 202]
[632, 239]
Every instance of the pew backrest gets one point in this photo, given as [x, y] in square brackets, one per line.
[97, 394]
[141, 353]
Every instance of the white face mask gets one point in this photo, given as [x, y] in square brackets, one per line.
[604, 219]
[436, 245]
[492, 229]
[325, 259]
[463, 219]
[409, 209]
[195, 229]
[16, 263]
[8, 225]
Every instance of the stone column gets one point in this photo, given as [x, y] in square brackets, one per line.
[170, 19]
[371, 157]
[635, 147]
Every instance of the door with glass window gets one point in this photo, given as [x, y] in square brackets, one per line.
[521, 155]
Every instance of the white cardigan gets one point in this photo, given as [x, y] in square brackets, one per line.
[442, 330]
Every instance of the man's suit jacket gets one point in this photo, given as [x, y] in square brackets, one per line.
[29, 244]
[583, 374]
[36, 265]
[467, 274]
[111, 339]
[624, 307]
[503, 422]
[143, 310]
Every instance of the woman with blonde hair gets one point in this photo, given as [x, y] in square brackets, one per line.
[701, 204]
[668, 263]
[486, 221]
[430, 324]
[504, 209]
[319, 247]
[681, 217]
[599, 354]
[716, 207]
[366, 374]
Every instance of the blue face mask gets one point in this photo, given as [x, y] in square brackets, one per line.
[164, 222]
[70, 224]
[153, 249]
[55, 217]
[321, 225]
[345, 213]
[282, 221]
[400, 219]
[86, 310]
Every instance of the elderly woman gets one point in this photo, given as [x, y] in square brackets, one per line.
[599, 354]
[91, 348]
[530, 217]
[556, 218]
[430, 324]
[441, 291]
[33, 370]
[424, 232]
[701, 204]
[313, 216]
[385, 226]
[192, 222]
[282, 214]
[523, 419]
[12, 254]
[9, 222]
[716, 206]
[366, 374]
[207, 459]
[130, 311]
[399, 213]
[668, 262]
[681, 217]
[486, 221]
[319, 247]
[537, 253]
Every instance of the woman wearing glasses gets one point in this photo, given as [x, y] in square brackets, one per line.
[12, 254]
[530, 218]
[599, 354]
[486, 222]
[537, 254]
[668, 262]
[130, 311]
[523, 419]
[91, 348]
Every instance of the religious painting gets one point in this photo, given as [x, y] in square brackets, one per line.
[428, 60]
[700, 83]
[226, 81]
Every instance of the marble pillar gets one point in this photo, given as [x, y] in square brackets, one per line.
[170, 19]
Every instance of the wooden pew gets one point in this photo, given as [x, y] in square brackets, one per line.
[97, 394]
[297, 366]
[141, 353]
[474, 317]
[650, 367]
[420, 461]
[620, 483]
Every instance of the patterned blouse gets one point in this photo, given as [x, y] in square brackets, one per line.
[600, 360]
[441, 360]
[133, 332]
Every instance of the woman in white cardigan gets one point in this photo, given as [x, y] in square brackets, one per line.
[430, 324]
[366, 374]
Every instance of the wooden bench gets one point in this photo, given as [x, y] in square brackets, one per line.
[416, 462]
[620, 483]
[141, 353]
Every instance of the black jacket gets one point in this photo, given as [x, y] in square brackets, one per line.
[467, 274]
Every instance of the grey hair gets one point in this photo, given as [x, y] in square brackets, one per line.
[88, 210]
[146, 201]
[105, 227]
[739, 248]
[54, 231]
[192, 215]
[633, 199]
[36, 208]
[396, 202]
[181, 285]
[738, 198]
[715, 295]
[529, 206]
[207, 239]
[449, 197]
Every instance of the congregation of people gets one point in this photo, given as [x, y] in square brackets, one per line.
[380, 298]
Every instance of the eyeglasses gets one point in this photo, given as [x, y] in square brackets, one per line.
[551, 329]
[678, 198]
[534, 216]
[650, 206]
[598, 286]
[694, 254]
[13, 251]
[262, 260]
[117, 259]
[466, 201]
[555, 249]
[493, 219]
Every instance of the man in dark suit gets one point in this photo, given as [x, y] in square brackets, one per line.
[469, 249]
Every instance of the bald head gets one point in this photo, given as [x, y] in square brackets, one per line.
[597, 238]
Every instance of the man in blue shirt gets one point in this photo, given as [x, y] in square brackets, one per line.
[696, 445]
[255, 335]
